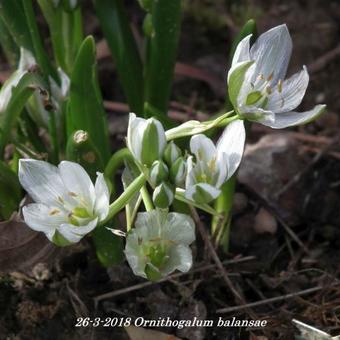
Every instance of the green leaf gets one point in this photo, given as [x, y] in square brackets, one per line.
[8, 45]
[66, 33]
[38, 46]
[162, 52]
[26, 86]
[109, 247]
[10, 191]
[81, 149]
[116, 27]
[85, 110]
[13, 15]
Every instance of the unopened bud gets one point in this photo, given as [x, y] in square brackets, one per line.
[159, 173]
[171, 153]
[178, 171]
[163, 195]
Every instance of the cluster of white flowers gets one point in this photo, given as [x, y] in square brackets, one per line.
[68, 205]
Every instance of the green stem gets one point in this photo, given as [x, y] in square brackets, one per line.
[124, 198]
[147, 199]
[115, 162]
[52, 127]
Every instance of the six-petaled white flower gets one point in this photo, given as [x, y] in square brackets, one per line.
[257, 88]
[213, 165]
[159, 244]
[68, 206]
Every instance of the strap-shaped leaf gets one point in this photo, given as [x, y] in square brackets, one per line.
[8, 45]
[12, 13]
[162, 52]
[85, 109]
[116, 28]
[27, 84]
[65, 31]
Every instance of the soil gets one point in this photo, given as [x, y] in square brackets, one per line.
[46, 304]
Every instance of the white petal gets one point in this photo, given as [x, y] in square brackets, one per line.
[180, 258]
[134, 254]
[231, 143]
[135, 133]
[272, 51]
[203, 148]
[293, 91]
[74, 233]
[40, 217]
[161, 136]
[102, 197]
[283, 120]
[41, 180]
[202, 193]
[179, 228]
[190, 177]
[242, 52]
[7, 87]
[77, 181]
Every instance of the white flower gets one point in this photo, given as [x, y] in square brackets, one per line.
[159, 244]
[68, 206]
[145, 139]
[257, 88]
[213, 165]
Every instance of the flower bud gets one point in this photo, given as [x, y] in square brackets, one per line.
[178, 171]
[171, 153]
[163, 195]
[159, 172]
[145, 139]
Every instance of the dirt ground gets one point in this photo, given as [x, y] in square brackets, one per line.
[285, 235]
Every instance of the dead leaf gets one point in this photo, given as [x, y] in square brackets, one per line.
[139, 333]
[21, 248]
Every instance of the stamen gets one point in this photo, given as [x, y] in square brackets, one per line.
[60, 200]
[54, 212]
[72, 194]
[270, 76]
[268, 89]
[279, 86]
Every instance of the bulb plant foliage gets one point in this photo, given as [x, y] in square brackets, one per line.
[51, 111]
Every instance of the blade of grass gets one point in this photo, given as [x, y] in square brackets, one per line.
[13, 15]
[8, 45]
[116, 27]
[38, 47]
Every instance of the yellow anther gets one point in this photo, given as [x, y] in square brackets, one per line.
[279, 85]
[270, 76]
[54, 212]
[72, 194]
